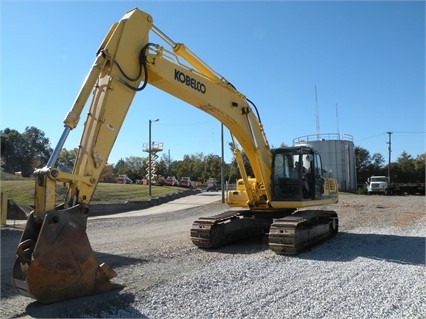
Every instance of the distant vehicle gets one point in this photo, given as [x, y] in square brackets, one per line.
[123, 179]
[380, 185]
[377, 185]
[212, 185]
[185, 182]
[172, 181]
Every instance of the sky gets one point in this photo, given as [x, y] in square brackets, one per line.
[356, 69]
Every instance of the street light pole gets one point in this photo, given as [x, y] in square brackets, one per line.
[222, 172]
[149, 157]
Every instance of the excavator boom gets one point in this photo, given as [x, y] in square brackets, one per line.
[54, 258]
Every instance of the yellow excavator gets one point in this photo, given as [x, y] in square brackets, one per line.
[55, 260]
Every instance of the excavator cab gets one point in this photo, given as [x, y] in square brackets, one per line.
[297, 174]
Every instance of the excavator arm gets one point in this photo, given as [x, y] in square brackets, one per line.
[54, 258]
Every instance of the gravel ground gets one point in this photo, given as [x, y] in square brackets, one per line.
[374, 268]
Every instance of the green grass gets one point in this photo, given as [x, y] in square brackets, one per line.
[21, 190]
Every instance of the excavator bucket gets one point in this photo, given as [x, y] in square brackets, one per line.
[55, 260]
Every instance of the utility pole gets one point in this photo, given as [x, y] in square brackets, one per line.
[168, 163]
[150, 157]
[389, 159]
[222, 172]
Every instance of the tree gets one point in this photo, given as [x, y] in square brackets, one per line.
[213, 165]
[121, 167]
[27, 151]
[198, 167]
[14, 143]
[38, 147]
[134, 167]
[420, 168]
[66, 159]
[363, 164]
[185, 167]
[377, 160]
[406, 166]
[362, 158]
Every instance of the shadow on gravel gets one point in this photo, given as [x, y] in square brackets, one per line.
[391, 248]
[245, 246]
[209, 194]
[9, 241]
[109, 304]
[116, 261]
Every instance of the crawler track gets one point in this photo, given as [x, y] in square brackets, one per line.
[230, 226]
[302, 230]
[290, 234]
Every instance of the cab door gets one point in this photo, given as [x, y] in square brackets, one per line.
[318, 178]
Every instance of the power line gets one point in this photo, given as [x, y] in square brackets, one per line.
[409, 132]
[185, 124]
[369, 137]
[383, 133]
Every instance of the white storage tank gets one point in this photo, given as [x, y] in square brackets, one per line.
[338, 156]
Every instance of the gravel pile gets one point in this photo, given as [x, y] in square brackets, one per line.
[374, 268]
[372, 280]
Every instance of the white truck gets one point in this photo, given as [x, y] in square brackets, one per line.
[377, 185]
